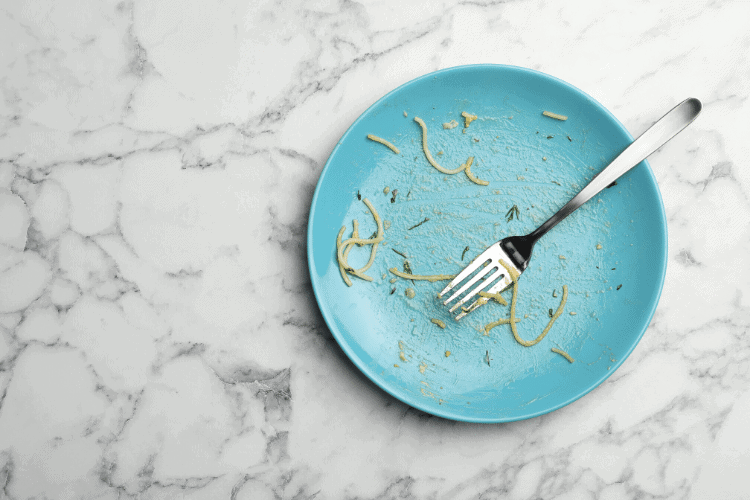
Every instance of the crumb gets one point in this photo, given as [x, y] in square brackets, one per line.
[447, 353]
[573, 313]
[422, 367]
[387, 190]
[468, 118]
[599, 246]
[562, 257]
[544, 158]
[406, 114]
[451, 124]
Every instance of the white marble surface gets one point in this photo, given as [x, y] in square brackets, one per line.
[158, 334]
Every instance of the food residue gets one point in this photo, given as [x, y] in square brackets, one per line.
[439, 323]
[471, 176]
[401, 354]
[384, 143]
[512, 320]
[447, 353]
[343, 247]
[426, 219]
[563, 354]
[409, 276]
[513, 213]
[468, 118]
[496, 296]
[555, 115]
[451, 124]
[386, 190]
[428, 155]
[410, 293]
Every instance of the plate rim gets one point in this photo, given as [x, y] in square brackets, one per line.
[371, 374]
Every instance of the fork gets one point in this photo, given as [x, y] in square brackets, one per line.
[515, 251]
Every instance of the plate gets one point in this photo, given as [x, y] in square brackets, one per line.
[611, 253]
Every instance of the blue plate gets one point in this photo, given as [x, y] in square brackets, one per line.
[531, 161]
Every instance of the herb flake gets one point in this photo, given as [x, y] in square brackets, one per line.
[419, 223]
[513, 213]
[402, 255]
[407, 269]
[463, 254]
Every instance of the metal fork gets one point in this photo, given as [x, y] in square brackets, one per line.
[515, 251]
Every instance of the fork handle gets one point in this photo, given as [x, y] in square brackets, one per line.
[652, 139]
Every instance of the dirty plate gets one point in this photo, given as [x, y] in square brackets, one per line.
[611, 253]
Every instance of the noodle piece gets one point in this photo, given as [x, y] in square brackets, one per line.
[341, 264]
[355, 234]
[479, 302]
[342, 248]
[529, 343]
[384, 143]
[428, 155]
[471, 177]
[435, 277]
[554, 115]
[563, 354]
[499, 298]
[501, 321]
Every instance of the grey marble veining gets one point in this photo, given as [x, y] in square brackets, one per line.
[158, 333]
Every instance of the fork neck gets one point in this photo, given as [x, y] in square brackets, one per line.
[518, 249]
[548, 224]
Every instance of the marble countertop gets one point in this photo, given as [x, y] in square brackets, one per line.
[158, 333]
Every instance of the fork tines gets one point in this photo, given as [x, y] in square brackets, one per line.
[485, 273]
